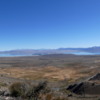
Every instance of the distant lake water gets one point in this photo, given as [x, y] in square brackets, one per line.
[85, 53]
[12, 55]
[75, 53]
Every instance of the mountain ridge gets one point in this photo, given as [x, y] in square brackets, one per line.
[95, 49]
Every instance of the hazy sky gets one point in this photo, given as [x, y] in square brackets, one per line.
[49, 23]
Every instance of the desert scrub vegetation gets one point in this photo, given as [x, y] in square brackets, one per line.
[17, 89]
[27, 90]
[2, 84]
[40, 91]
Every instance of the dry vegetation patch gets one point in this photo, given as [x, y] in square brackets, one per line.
[49, 72]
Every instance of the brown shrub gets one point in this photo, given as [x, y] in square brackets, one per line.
[17, 89]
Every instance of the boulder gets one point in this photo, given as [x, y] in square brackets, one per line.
[95, 77]
[85, 88]
[76, 88]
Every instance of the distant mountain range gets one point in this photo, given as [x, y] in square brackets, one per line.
[51, 51]
[95, 49]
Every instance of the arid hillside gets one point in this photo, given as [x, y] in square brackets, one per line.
[59, 70]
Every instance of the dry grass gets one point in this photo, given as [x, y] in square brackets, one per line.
[36, 73]
[50, 73]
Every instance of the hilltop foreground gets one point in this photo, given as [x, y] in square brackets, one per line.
[56, 73]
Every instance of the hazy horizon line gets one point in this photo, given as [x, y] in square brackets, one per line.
[46, 48]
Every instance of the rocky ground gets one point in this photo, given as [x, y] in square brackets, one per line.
[88, 89]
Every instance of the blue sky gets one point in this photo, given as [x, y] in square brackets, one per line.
[36, 24]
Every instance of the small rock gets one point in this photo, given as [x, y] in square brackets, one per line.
[2, 93]
[70, 95]
[9, 98]
[2, 98]
[7, 93]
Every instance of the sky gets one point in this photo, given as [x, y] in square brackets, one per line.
[49, 24]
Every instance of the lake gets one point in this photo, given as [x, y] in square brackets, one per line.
[85, 53]
[12, 55]
[76, 53]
